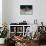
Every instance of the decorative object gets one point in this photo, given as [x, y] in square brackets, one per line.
[2, 40]
[28, 34]
[35, 21]
[3, 34]
[26, 9]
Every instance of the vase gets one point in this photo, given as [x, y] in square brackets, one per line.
[2, 40]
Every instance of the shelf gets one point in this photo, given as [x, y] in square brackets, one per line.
[16, 32]
[19, 25]
[19, 32]
[17, 28]
[12, 32]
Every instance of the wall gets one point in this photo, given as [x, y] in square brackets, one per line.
[4, 11]
[0, 13]
[15, 14]
[12, 11]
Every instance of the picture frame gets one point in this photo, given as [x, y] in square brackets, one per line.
[26, 9]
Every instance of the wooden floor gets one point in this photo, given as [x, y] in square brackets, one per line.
[1, 45]
[34, 44]
[42, 45]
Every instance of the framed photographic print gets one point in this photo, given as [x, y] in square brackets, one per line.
[26, 9]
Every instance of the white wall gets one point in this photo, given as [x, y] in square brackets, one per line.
[0, 13]
[12, 11]
[4, 11]
[15, 15]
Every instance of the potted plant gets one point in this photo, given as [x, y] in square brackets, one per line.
[3, 34]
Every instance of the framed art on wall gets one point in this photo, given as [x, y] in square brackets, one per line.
[26, 9]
